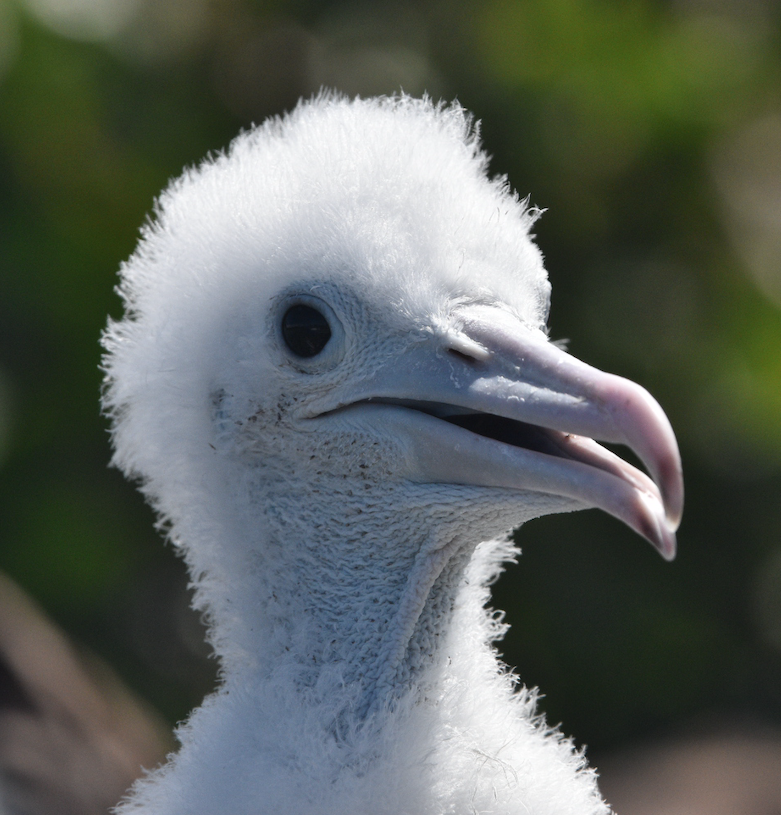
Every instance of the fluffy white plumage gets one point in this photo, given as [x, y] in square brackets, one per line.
[333, 539]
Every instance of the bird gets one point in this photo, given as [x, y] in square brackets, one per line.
[334, 383]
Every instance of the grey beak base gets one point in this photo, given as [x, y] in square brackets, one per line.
[495, 366]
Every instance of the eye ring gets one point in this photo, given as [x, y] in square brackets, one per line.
[308, 332]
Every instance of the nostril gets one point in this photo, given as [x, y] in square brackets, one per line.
[461, 345]
[461, 355]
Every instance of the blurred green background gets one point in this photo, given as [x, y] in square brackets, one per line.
[651, 133]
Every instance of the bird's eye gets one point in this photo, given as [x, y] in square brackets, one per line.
[305, 330]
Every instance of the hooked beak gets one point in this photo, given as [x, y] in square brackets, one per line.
[495, 404]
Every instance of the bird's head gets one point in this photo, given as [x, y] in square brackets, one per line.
[346, 295]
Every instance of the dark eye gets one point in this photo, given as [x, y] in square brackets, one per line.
[305, 331]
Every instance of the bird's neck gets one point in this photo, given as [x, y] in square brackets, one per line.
[352, 596]
[357, 662]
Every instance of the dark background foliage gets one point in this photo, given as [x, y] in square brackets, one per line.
[650, 132]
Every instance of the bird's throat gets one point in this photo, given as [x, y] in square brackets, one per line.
[361, 615]
[414, 639]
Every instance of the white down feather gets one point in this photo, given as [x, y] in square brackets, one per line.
[385, 205]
